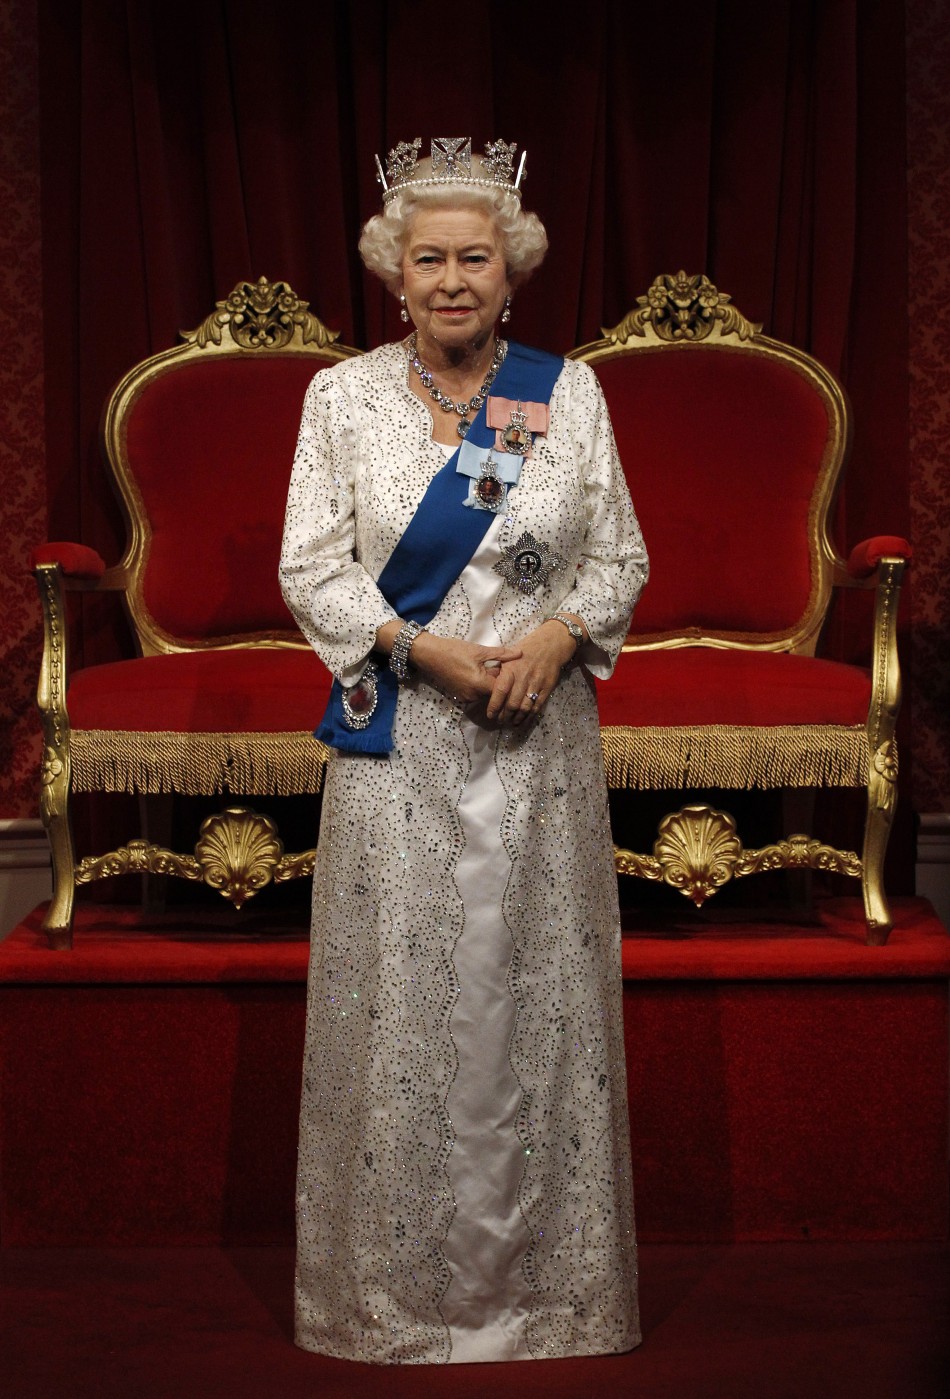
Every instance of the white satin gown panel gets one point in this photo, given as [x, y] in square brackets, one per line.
[487, 1299]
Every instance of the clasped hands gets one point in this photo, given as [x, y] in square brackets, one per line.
[513, 682]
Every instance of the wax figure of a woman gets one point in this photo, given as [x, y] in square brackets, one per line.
[462, 552]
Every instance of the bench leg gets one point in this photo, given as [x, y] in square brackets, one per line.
[54, 808]
[882, 801]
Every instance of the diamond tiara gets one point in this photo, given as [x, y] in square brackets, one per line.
[451, 158]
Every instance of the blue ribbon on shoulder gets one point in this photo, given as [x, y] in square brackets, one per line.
[438, 543]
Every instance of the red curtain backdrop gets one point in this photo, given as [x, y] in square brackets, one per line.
[186, 147]
[928, 161]
[23, 497]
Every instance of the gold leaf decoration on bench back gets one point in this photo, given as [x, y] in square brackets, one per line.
[261, 315]
[681, 307]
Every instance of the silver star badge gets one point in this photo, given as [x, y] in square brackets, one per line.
[527, 564]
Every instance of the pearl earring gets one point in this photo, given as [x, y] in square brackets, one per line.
[506, 313]
[403, 313]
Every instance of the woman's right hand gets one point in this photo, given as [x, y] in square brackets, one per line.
[460, 669]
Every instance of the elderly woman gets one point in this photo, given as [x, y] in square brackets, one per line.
[461, 551]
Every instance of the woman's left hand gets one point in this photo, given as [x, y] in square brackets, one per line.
[523, 685]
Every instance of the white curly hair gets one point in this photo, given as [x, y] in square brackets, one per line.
[383, 240]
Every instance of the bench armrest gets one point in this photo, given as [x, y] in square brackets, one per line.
[866, 557]
[76, 560]
[58, 567]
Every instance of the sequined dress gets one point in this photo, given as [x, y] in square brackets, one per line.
[464, 1187]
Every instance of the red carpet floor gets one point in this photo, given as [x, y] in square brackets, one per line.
[783, 1085]
[786, 1082]
[751, 1321]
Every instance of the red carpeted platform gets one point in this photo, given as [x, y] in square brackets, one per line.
[785, 1082]
[740, 1321]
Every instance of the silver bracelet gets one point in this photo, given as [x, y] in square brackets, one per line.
[576, 631]
[399, 656]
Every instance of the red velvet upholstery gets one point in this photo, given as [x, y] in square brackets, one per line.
[702, 685]
[865, 557]
[76, 560]
[243, 690]
[705, 439]
[272, 690]
[211, 448]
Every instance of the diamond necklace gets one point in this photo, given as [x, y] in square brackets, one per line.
[449, 405]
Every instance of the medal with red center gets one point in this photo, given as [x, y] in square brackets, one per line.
[359, 700]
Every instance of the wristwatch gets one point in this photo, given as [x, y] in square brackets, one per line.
[577, 632]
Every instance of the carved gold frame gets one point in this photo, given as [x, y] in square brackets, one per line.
[677, 315]
[238, 850]
[257, 318]
[697, 849]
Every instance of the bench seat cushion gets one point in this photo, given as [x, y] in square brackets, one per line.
[241, 720]
[242, 690]
[698, 716]
[238, 720]
[706, 685]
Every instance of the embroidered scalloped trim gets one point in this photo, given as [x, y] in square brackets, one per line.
[806, 755]
[196, 764]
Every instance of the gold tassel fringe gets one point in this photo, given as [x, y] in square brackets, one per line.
[649, 759]
[807, 755]
[196, 764]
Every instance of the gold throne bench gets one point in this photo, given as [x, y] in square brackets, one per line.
[734, 445]
[224, 692]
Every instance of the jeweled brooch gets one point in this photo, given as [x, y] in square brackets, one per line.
[359, 700]
[515, 435]
[528, 564]
[489, 490]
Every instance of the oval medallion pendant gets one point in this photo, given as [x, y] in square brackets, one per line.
[359, 700]
[489, 491]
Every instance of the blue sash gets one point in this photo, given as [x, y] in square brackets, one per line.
[438, 543]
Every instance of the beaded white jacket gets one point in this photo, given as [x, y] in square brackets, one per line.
[374, 1202]
[364, 459]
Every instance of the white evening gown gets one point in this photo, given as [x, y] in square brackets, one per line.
[464, 1186]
